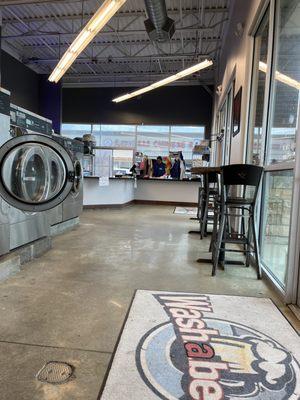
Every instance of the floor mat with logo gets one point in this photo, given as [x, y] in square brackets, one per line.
[185, 210]
[197, 346]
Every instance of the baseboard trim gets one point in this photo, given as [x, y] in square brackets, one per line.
[102, 206]
[295, 309]
[12, 262]
[140, 202]
[165, 203]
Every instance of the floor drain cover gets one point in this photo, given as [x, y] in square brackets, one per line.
[55, 372]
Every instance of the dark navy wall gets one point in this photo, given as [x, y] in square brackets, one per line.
[50, 101]
[178, 105]
[21, 81]
[31, 90]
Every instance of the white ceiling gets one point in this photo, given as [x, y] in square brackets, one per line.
[39, 32]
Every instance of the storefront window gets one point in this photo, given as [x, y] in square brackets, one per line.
[122, 161]
[260, 67]
[153, 140]
[96, 131]
[76, 130]
[286, 85]
[103, 162]
[184, 138]
[117, 136]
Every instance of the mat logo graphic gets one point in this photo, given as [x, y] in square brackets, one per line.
[199, 357]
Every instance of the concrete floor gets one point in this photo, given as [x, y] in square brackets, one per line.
[69, 305]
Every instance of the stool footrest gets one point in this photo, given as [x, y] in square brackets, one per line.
[235, 241]
[235, 251]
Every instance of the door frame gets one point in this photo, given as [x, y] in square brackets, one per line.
[292, 293]
[291, 289]
[230, 91]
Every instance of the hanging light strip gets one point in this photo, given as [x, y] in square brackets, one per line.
[280, 77]
[92, 28]
[166, 81]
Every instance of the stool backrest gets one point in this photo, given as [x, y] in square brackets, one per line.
[211, 181]
[240, 175]
[212, 177]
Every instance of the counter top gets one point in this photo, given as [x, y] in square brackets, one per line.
[145, 180]
[124, 191]
[204, 170]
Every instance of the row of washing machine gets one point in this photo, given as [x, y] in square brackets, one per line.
[41, 184]
[72, 206]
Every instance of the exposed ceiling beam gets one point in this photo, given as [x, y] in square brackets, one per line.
[132, 75]
[188, 29]
[126, 83]
[122, 59]
[20, 2]
[141, 13]
[152, 77]
[45, 39]
[128, 42]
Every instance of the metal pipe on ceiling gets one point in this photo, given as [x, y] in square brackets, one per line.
[159, 26]
[157, 13]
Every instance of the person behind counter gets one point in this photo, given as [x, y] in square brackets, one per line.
[159, 168]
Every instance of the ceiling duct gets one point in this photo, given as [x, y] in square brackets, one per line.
[159, 26]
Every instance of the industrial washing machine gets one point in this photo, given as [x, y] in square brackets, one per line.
[72, 206]
[4, 207]
[4, 228]
[36, 173]
[17, 227]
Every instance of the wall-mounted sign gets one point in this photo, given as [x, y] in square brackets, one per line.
[237, 105]
[4, 102]
[27, 120]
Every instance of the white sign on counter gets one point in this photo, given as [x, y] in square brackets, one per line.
[104, 181]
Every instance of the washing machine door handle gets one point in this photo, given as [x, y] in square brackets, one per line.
[71, 176]
[36, 172]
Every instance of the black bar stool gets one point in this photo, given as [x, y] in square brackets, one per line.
[207, 198]
[239, 188]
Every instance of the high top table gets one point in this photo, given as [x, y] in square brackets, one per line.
[203, 171]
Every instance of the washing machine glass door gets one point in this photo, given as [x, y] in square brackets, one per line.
[78, 178]
[36, 173]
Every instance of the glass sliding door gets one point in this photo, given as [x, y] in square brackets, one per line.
[281, 140]
[228, 127]
[276, 212]
[273, 126]
[255, 150]
[285, 84]
[224, 129]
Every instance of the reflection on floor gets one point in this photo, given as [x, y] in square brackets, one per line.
[69, 305]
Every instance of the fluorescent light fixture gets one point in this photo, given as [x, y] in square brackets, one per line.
[92, 28]
[166, 81]
[281, 77]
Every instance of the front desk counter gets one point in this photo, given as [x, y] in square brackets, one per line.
[122, 191]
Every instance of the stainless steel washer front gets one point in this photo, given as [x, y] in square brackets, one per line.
[4, 228]
[36, 173]
[73, 205]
